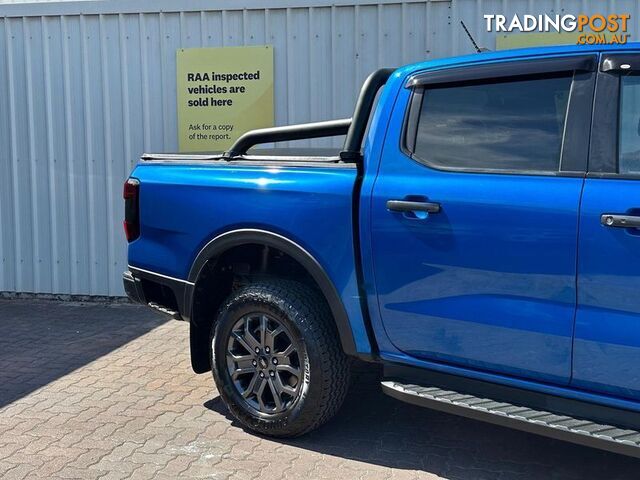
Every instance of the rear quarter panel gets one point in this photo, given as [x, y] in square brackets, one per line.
[185, 205]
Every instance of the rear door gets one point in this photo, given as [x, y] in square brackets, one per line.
[607, 336]
[474, 215]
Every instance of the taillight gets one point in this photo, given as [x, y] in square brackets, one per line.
[131, 196]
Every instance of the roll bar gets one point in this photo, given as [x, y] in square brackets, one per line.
[354, 128]
[331, 128]
[368, 92]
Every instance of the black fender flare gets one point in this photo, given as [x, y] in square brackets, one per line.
[234, 238]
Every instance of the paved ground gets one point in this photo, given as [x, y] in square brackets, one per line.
[106, 391]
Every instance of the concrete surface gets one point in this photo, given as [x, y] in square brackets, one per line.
[106, 391]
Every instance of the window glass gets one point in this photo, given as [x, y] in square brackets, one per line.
[499, 125]
[629, 125]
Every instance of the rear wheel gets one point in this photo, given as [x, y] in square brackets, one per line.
[277, 360]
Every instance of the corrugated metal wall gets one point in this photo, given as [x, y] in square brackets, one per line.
[86, 87]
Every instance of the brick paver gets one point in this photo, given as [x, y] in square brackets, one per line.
[106, 391]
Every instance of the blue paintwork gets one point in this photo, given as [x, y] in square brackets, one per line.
[485, 289]
[549, 373]
[184, 206]
[607, 338]
[489, 282]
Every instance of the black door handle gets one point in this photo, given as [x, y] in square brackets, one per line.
[407, 206]
[620, 221]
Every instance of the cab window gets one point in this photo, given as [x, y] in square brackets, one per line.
[498, 125]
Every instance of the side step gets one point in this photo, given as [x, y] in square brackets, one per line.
[559, 426]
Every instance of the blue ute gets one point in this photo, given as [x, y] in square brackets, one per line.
[478, 235]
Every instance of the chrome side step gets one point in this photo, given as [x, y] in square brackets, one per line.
[521, 417]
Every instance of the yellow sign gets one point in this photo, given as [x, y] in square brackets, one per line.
[222, 93]
[525, 40]
[507, 41]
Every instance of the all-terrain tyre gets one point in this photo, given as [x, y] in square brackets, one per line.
[277, 360]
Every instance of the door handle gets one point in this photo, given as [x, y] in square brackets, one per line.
[620, 221]
[408, 206]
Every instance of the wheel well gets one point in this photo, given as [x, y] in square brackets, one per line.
[228, 271]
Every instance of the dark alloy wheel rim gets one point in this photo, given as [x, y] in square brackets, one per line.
[264, 363]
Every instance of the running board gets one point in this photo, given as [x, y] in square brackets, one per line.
[561, 427]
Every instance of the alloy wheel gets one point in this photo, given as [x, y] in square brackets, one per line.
[264, 363]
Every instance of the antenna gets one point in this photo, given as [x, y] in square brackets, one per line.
[466, 30]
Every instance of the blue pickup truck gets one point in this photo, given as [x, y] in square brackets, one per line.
[478, 236]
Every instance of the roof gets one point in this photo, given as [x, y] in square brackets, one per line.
[514, 55]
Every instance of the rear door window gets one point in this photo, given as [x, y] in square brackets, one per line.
[505, 125]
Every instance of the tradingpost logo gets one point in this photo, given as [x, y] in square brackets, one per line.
[591, 29]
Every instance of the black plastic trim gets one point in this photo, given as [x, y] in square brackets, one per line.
[132, 288]
[603, 154]
[614, 175]
[614, 62]
[575, 144]
[410, 122]
[584, 63]
[224, 242]
[409, 206]
[619, 221]
[182, 289]
[536, 400]
[603, 157]
[580, 431]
